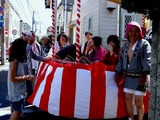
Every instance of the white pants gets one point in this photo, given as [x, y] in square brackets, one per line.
[135, 92]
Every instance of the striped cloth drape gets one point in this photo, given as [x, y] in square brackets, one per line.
[79, 91]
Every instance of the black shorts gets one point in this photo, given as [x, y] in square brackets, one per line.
[18, 106]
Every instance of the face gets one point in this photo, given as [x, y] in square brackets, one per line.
[24, 37]
[44, 41]
[31, 40]
[62, 40]
[134, 33]
[88, 36]
[92, 44]
[111, 43]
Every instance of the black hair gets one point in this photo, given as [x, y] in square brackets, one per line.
[115, 39]
[97, 41]
[33, 33]
[86, 33]
[59, 36]
[18, 50]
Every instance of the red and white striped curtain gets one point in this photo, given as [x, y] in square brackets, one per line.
[79, 91]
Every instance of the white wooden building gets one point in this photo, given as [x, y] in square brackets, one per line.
[103, 18]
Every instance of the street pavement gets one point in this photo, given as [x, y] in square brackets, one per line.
[4, 104]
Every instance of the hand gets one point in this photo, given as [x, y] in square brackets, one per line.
[110, 48]
[142, 79]
[31, 77]
[119, 78]
[48, 58]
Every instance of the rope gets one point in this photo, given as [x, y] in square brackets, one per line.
[78, 31]
[53, 27]
[143, 20]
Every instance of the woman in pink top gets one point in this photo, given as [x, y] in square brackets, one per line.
[98, 52]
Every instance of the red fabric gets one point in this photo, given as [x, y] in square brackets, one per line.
[68, 86]
[46, 93]
[98, 92]
[9, 50]
[68, 89]
[121, 103]
[111, 59]
[40, 78]
[146, 103]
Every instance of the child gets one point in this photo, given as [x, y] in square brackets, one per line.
[17, 77]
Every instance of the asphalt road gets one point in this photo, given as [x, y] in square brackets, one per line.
[4, 104]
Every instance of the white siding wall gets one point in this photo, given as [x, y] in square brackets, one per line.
[108, 22]
[104, 21]
[60, 20]
[89, 9]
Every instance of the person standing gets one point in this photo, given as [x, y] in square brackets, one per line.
[45, 45]
[85, 47]
[98, 52]
[113, 52]
[135, 62]
[17, 77]
[37, 49]
[31, 55]
[59, 44]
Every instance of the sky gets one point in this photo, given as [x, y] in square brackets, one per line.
[43, 16]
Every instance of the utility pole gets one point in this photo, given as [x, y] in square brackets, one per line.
[65, 16]
[3, 46]
[40, 29]
[33, 21]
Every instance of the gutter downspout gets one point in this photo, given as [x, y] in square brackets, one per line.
[118, 20]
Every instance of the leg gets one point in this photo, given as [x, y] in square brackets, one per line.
[16, 109]
[140, 106]
[128, 100]
[15, 115]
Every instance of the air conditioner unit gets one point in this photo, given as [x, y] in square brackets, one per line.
[111, 5]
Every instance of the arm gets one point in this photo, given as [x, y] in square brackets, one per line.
[120, 63]
[13, 77]
[146, 63]
[146, 57]
[36, 56]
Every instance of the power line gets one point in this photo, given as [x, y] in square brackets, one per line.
[37, 14]
[22, 11]
[24, 7]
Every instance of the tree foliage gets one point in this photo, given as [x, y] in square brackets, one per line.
[147, 7]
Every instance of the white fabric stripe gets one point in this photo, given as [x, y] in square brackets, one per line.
[83, 88]
[111, 102]
[54, 98]
[42, 70]
[39, 66]
[40, 90]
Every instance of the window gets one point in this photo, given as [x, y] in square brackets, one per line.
[87, 24]
[127, 17]
[90, 24]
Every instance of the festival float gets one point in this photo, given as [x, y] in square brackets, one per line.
[76, 90]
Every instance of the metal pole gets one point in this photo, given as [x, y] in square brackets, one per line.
[21, 22]
[3, 47]
[33, 21]
[118, 18]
